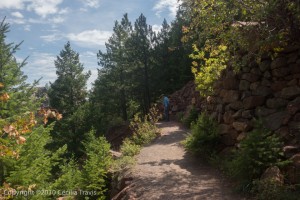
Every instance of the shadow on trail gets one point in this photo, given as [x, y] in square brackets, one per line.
[165, 171]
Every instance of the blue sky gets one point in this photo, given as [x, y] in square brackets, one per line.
[46, 25]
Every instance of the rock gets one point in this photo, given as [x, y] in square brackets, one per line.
[293, 175]
[274, 121]
[276, 103]
[244, 85]
[293, 107]
[227, 117]
[267, 75]
[262, 91]
[284, 133]
[255, 70]
[245, 94]
[253, 101]
[263, 112]
[279, 62]
[297, 117]
[292, 82]
[295, 69]
[266, 82]
[247, 114]
[292, 58]
[264, 65]
[241, 136]
[254, 86]
[280, 72]
[224, 128]
[242, 126]
[237, 114]
[230, 83]
[229, 96]
[273, 173]
[250, 77]
[237, 105]
[296, 160]
[278, 85]
[289, 151]
[290, 92]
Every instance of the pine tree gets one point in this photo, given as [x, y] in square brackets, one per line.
[17, 104]
[141, 44]
[115, 63]
[67, 94]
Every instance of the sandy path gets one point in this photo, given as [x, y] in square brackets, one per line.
[165, 171]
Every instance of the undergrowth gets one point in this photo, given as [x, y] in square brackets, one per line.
[204, 136]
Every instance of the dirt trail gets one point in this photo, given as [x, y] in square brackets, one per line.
[165, 171]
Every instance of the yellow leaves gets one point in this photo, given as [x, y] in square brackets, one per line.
[4, 97]
[213, 60]
[48, 113]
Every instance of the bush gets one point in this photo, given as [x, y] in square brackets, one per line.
[258, 151]
[271, 190]
[96, 166]
[144, 131]
[192, 117]
[129, 148]
[204, 138]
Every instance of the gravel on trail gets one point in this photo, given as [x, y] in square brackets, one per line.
[165, 171]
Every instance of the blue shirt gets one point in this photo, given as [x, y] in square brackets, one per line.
[166, 102]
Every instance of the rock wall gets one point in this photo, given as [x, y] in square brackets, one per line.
[269, 91]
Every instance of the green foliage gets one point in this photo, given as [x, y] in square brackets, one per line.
[190, 118]
[144, 131]
[33, 168]
[212, 61]
[258, 151]
[204, 137]
[68, 94]
[70, 177]
[96, 166]
[271, 190]
[129, 148]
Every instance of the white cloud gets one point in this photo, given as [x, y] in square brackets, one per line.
[27, 27]
[156, 28]
[90, 38]
[51, 38]
[170, 5]
[42, 64]
[17, 14]
[11, 4]
[44, 7]
[91, 3]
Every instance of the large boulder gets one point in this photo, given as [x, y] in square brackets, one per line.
[253, 102]
[290, 92]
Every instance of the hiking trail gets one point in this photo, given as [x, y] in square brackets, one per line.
[165, 171]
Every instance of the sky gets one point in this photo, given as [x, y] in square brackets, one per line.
[45, 26]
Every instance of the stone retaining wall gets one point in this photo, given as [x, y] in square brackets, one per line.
[269, 91]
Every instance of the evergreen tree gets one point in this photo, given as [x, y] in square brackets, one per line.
[67, 94]
[17, 104]
[141, 45]
[115, 63]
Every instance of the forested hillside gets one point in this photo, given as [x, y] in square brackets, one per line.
[60, 150]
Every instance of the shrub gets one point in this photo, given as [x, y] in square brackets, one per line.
[192, 117]
[96, 166]
[144, 130]
[129, 148]
[271, 190]
[258, 151]
[204, 138]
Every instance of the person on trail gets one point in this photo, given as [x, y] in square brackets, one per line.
[166, 103]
